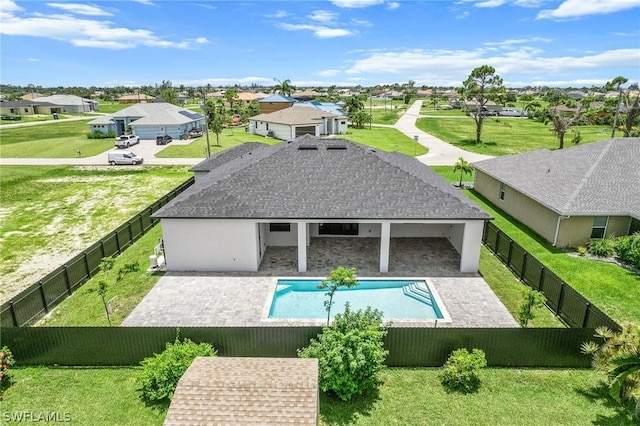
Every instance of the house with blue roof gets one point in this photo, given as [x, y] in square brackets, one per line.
[275, 103]
[148, 120]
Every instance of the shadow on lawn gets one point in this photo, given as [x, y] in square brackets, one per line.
[622, 413]
[333, 411]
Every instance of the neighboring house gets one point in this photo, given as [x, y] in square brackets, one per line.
[28, 108]
[292, 192]
[305, 95]
[68, 103]
[576, 95]
[135, 98]
[568, 196]
[248, 97]
[296, 121]
[472, 106]
[148, 120]
[275, 103]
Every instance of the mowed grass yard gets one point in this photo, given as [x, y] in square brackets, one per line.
[98, 396]
[61, 139]
[228, 138]
[50, 213]
[503, 135]
[385, 139]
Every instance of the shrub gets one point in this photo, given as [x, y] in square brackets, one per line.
[604, 247]
[350, 353]
[461, 371]
[531, 299]
[582, 250]
[160, 373]
[6, 361]
[628, 249]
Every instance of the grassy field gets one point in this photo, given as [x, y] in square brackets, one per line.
[610, 287]
[107, 107]
[414, 397]
[385, 139]
[504, 135]
[49, 213]
[55, 140]
[43, 117]
[228, 138]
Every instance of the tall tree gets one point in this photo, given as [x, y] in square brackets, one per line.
[616, 84]
[231, 96]
[482, 85]
[283, 87]
[464, 167]
[168, 93]
[561, 122]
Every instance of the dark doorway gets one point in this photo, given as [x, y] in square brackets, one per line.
[338, 229]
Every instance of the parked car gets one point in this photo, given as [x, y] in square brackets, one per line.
[124, 157]
[510, 112]
[195, 133]
[488, 113]
[163, 139]
[125, 141]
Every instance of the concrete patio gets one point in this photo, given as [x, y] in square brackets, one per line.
[203, 299]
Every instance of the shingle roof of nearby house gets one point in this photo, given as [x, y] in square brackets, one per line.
[136, 97]
[241, 391]
[599, 178]
[225, 156]
[104, 119]
[65, 100]
[295, 115]
[278, 98]
[154, 114]
[24, 104]
[250, 96]
[289, 180]
[323, 106]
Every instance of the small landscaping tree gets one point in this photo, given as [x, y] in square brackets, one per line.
[6, 361]
[532, 299]
[102, 291]
[461, 371]
[464, 167]
[339, 277]
[160, 373]
[350, 353]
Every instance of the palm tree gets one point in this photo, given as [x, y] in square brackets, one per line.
[464, 167]
[624, 368]
[284, 88]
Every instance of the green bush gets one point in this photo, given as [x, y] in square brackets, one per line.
[605, 247]
[97, 134]
[628, 249]
[6, 361]
[160, 373]
[350, 353]
[461, 371]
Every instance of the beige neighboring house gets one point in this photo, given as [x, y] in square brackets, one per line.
[248, 97]
[68, 103]
[135, 98]
[296, 121]
[568, 196]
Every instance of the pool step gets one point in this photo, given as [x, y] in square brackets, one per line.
[418, 291]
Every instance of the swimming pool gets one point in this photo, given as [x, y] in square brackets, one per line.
[397, 299]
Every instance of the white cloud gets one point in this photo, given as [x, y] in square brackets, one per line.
[33, 59]
[318, 30]
[353, 4]
[201, 40]
[361, 22]
[579, 8]
[278, 14]
[511, 42]
[323, 16]
[145, 2]
[207, 6]
[83, 32]
[328, 73]
[393, 5]
[490, 3]
[81, 9]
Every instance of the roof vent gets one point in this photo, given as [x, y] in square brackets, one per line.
[336, 147]
[308, 148]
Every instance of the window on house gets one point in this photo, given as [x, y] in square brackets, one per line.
[599, 227]
[502, 191]
[279, 227]
[338, 229]
[267, 126]
[26, 110]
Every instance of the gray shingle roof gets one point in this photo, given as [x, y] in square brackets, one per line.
[599, 178]
[283, 181]
[154, 114]
[225, 156]
[295, 115]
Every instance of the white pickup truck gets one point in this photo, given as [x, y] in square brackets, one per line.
[125, 141]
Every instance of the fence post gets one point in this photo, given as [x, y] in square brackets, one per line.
[509, 254]
[141, 224]
[67, 280]
[587, 311]
[560, 299]
[130, 231]
[118, 241]
[102, 249]
[13, 314]
[44, 298]
[86, 264]
[495, 250]
[484, 232]
[525, 256]
[541, 282]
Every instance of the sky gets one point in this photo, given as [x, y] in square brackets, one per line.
[557, 43]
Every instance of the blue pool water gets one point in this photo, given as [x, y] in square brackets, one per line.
[397, 299]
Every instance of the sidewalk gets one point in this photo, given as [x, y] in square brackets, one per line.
[440, 153]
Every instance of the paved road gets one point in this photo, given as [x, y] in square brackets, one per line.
[440, 153]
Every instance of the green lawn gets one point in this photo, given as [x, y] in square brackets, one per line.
[385, 139]
[413, 397]
[228, 137]
[388, 115]
[52, 212]
[504, 135]
[107, 107]
[55, 140]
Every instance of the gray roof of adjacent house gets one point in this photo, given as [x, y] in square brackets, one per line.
[153, 114]
[225, 156]
[599, 178]
[104, 119]
[313, 178]
[65, 100]
[24, 104]
[295, 115]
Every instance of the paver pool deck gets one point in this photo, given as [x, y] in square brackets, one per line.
[215, 299]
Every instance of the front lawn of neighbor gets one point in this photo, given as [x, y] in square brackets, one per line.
[56, 140]
[502, 135]
[385, 139]
[97, 396]
[50, 213]
[228, 138]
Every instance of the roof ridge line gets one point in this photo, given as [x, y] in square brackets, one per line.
[587, 175]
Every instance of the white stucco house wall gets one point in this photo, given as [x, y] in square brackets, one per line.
[298, 120]
[286, 194]
[148, 120]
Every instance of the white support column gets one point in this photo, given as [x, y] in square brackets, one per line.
[471, 243]
[302, 247]
[385, 238]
